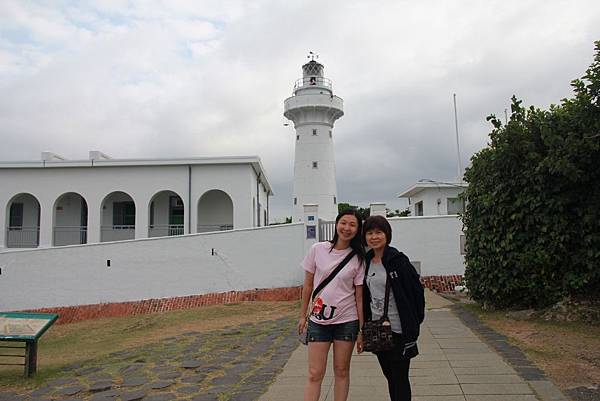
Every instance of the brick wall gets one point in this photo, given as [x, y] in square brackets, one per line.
[71, 314]
[441, 283]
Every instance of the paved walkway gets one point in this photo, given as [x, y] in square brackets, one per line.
[454, 365]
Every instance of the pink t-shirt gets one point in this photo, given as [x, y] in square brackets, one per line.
[336, 303]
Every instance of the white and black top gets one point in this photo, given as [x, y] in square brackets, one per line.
[376, 282]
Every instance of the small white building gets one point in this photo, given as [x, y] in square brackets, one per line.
[55, 202]
[435, 198]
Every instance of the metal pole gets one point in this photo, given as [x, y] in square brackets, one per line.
[457, 141]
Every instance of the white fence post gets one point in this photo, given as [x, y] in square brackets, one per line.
[378, 209]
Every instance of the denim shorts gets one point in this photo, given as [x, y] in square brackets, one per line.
[347, 331]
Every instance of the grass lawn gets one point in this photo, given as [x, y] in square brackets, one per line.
[67, 344]
[568, 352]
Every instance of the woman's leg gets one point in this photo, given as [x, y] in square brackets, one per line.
[395, 369]
[342, 353]
[317, 365]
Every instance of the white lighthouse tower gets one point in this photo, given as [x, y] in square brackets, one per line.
[314, 108]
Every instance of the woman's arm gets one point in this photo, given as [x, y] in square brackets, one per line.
[359, 310]
[307, 289]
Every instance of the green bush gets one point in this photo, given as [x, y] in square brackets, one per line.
[532, 220]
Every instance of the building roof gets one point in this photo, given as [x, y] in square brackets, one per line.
[426, 183]
[254, 161]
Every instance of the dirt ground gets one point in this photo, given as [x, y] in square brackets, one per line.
[567, 352]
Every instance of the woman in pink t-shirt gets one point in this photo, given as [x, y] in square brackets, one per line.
[336, 314]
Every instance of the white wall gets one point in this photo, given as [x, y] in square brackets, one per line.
[238, 181]
[430, 196]
[432, 240]
[266, 257]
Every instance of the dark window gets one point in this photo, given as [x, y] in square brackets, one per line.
[419, 208]
[314, 132]
[334, 200]
[455, 206]
[295, 201]
[16, 215]
[330, 134]
[151, 214]
[297, 137]
[315, 165]
[175, 210]
[124, 213]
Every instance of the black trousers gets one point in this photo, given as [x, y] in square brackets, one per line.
[395, 369]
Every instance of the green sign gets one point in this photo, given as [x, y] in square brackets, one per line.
[21, 326]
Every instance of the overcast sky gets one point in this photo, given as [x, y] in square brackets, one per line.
[157, 79]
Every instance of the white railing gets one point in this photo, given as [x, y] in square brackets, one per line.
[165, 230]
[70, 235]
[326, 230]
[22, 237]
[117, 233]
[206, 228]
[308, 82]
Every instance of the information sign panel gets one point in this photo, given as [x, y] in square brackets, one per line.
[24, 326]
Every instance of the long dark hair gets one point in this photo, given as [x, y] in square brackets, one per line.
[356, 242]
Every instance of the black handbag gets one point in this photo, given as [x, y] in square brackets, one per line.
[377, 334]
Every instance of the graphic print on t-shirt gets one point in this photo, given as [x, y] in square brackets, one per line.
[320, 310]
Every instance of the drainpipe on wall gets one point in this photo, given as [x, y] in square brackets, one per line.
[258, 199]
[267, 222]
[189, 199]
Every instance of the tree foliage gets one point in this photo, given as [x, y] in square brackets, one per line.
[363, 212]
[532, 220]
[397, 212]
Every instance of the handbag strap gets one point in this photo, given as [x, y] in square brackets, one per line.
[333, 274]
[386, 302]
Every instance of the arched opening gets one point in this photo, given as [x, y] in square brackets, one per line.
[23, 222]
[118, 217]
[166, 215]
[215, 211]
[70, 220]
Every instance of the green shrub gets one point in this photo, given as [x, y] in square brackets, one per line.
[532, 220]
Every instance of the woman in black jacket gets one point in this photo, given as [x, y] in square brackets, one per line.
[406, 307]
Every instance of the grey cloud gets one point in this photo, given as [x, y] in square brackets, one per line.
[133, 85]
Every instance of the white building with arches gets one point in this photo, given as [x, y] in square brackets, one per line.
[57, 202]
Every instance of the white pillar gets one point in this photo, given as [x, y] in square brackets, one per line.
[46, 222]
[141, 218]
[4, 220]
[378, 209]
[311, 221]
[94, 222]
